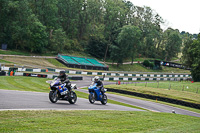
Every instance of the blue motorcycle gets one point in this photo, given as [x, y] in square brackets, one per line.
[60, 92]
[96, 95]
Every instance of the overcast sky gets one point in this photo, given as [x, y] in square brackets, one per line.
[179, 14]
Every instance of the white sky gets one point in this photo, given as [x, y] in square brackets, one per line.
[178, 14]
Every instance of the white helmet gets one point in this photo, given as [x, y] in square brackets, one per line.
[96, 78]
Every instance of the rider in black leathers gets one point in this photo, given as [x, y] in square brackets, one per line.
[64, 79]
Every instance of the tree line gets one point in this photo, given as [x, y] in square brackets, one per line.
[114, 29]
[191, 56]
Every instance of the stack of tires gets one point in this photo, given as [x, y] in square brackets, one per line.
[2, 73]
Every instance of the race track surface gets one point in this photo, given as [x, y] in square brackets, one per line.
[24, 100]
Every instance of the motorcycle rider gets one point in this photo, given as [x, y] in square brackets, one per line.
[99, 84]
[64, 79]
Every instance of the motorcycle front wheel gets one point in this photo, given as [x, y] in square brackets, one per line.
[91, 98]
[104, 99]
[73, 97]
[53, 96]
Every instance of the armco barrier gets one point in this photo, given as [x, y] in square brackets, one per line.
[104, 73]
[141, 79]
[169, 100]
[47, 76]
[35, 75]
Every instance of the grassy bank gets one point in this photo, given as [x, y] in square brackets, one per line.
[140, 68]
[56, 63]
[96, 121]
[4, 61]
[31, 61]
[163, 90]
[24, 83]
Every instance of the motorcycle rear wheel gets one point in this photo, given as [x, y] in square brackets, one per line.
[53, 96]
[72, 99]
[91, 98]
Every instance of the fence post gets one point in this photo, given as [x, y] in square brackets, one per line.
[135, 83]
[183, 88]
[146, 84]
[197, 90]
[158, 84]
[169, 86]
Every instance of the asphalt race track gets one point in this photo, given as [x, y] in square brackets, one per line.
[23, 100]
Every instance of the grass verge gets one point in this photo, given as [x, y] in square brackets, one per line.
[24, 83]
[170, 104]
[174, 94]
[96, 121]
[172, 85]
[4, 61]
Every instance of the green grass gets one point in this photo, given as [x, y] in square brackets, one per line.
[24, 83]
[96, 121]
[140, 68]
[163, 92]
[173, 85]
[55, 62]
[128, 67]
[14, 52]
[4, 61]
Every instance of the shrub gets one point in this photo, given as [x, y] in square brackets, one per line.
[146, 63]
[151, 65]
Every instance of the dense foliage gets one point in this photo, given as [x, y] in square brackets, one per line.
[191, 56]
[103, 28]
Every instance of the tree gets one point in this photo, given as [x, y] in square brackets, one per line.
[128, 40]
[58, 41]
[149, 23]
[97, 43]
[37, 37]
[173, 43]
[114, 19]
[191, 57]
[80, 25]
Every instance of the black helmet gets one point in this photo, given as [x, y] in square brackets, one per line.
[62, 72]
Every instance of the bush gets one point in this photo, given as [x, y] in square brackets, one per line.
[151, 65]
[146, 63]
